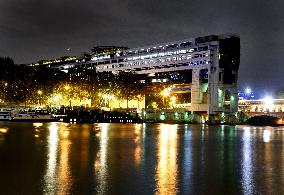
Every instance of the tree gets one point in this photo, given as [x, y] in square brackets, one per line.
[128, 86]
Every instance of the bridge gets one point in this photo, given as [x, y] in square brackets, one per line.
[267, 107]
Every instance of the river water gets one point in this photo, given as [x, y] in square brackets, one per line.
[61, 158]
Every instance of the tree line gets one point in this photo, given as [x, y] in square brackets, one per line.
[26, 84]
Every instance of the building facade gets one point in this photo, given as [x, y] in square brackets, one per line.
[197, 74]
[206, 68]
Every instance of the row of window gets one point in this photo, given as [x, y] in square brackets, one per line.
[162, 54]
[194, 63]
[182, 46]
[161, 60]
[151, 56]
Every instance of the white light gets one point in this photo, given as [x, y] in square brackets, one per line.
[268, 102]
[248, 90]
[266, 136]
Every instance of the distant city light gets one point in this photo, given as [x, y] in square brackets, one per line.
[247, 94]
[248, 90]
[268, 102]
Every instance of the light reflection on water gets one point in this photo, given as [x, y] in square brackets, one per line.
[166, 174]
[64, 172]
[266, 135]
[138, 145]
[140, 159]
[187, 157]
[50, 178]
[101, 161]
[3, 131]
[247, 166]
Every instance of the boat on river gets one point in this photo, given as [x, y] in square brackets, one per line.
[5, 114]
[32, 116]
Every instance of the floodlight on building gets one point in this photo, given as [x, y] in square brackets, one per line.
[166, 92]
[268, 103]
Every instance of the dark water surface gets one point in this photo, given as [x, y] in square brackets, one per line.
[59, 158]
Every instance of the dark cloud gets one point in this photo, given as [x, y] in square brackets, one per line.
[35, 29]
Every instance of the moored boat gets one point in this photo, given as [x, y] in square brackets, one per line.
[5, 114]
[33, 116]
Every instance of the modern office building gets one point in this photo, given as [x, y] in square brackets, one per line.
[197, 74]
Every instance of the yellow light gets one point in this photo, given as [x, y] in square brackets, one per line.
[4, 130]
[39, 92]
[166, 92]
[268, 103]
[37, 125]
[65, 134]
[107, 96]
[173, 99]
[66, 87]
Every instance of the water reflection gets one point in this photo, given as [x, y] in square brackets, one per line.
[266, 135]
[166, 174]
[187, 157]
[37, 127]
[247, 166]
[137, 140]
[140, 159]
[50, 176]
[101, 161]
[64, 172]
[3, 132]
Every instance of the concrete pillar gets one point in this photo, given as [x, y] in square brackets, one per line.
[195, 89]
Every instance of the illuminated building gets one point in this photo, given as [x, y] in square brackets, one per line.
[200, 73]
[205, 68]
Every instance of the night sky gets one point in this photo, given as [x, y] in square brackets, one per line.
[31, 30]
